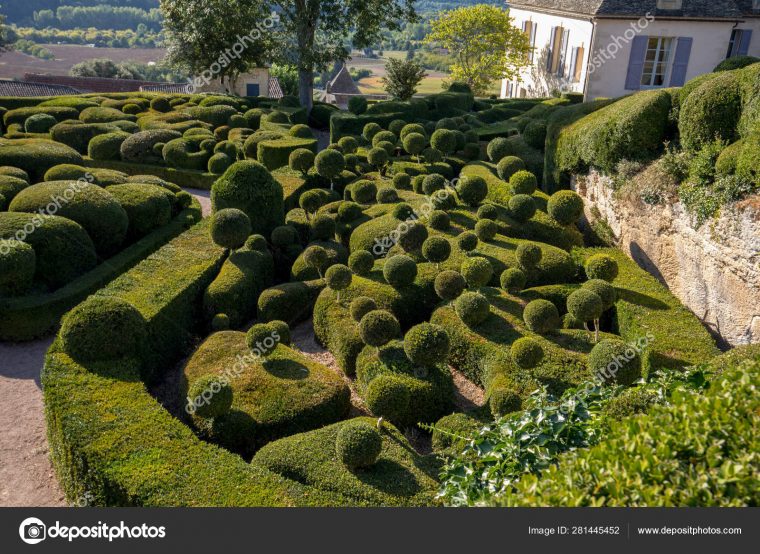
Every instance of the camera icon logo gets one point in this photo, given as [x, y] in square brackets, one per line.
[32, 530]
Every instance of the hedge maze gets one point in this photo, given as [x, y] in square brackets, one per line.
[430, 235]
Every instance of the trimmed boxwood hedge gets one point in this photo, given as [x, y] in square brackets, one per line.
[274, 154]
[36, 156]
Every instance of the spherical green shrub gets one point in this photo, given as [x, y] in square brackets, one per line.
[378, 327]
[446, 123]
[329, 163]
[432, 155]
[140, 147]
[521, 207]
[349, 211]
[414, 143]
[301, 159]
[322, 228]
[257, 243]
[477, 271]
[604, 290]
[36, 156]
[210, 396]
[436, 249]
[488, 211]
[412, 128]
[535, 134]
[467, 241]
[399, 271]
[160, 104]
[262, 339]
[219, 163]
[541, 316]
[39, 123]
[711, 111]
[315, 256]
[513, 280]
[358, 444]
[486, 230]
[601, 266]
[444, 141]
[361, 262]
[615, 361]
[18, 263]
[281, 331]
[412, 238]
[503, 402]
[508, 166]
[432, 183]
[386, 195]
[472, 189]
[528, 255]
[357, 105]
[378, 157]
[471, 151]
[360, 307]
[338, 277]
[498, 148]
[439, 220]
[449, 285]
[363, 191]
[584, 305]
[103, 328]
[523, 182]
[565, 207]
[402, 181]
[284, 236]
[230, 228]
[388, 397]
[396, 126]
[427, 344]
[472, 308]
[310, 201]
[370, 130]
[249, 186]
[220, 322]
[403, 211]
[735, 62]
[384, 136]
[349, 144]
[526, 353]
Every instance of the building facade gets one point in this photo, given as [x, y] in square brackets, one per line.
[610, 48]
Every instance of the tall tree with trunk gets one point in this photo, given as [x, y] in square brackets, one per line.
[316, 33]
[218, 39]
[484, 43]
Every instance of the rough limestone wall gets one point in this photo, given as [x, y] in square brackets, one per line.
[713, 270]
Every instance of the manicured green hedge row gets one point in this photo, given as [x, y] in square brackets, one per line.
[30, 317]
[347, 124]
[275, 153]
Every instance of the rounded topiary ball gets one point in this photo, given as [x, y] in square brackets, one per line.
[210, 396]
[521, 207]
[486, 229]
[444, 140]
[378, 327]
[361, 306]
[284, 236]
[364, 191]
[103, 328]
[257, 243]
[523, 182]
[349, 211]
[357, 105]
[329, 163]
[386, 195]
[513, 280]
[338, 277]
[315, 256]
[378, 157]
[220, 322]
[503, 402]
[412, 238]
[322, 228]
[439, 220]
[262, 339]
[528, 255]
[432, 155]
[601, 266]
[477, 271]
[449, 284]
[508, 166]
[436, 249]
[488, 211]
[414, 143]
[301, 159]
[585, 305]
[498, 148]
[219, 163]
[565, 207]
[388, 397]
[280, 331]
[402, 181]
[472, 308]
[310, 201]
[604, 290]
[230, 227]
[361, 262]
[358, 444]
[467, 241]
[615, 361]
[370, 130]
[348, 144]
[427, 344]
[184, 199]
[403, 211]
[526, 353]
[541, 316]
[399, 271]
[39, 123]
[432, 183]
[18, 262]
[472, 189]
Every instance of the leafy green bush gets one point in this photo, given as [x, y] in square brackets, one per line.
[521, 207]
[210, 396]
[230, 228]
[378, 327]
[513, 280]
[508, 166]
[541, 316]
[472, 189]
[106, 146]
[361, 306]
[449, 284]
[399, 271]
[140, 147]
[426, 344]
[358, 444]
[36, 156]
[477, 271]
[565, 207]
[736, 62]
[523, 182]
[526, 352]
[615, 361]
[601, 266]
[472, 308]
[148, 207]
[39, 123]
[711, 111]
[17, 267]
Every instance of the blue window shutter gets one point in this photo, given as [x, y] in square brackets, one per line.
[636, 63]
[745, 40]
[681, 62]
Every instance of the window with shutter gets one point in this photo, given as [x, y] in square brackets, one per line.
[561, 65]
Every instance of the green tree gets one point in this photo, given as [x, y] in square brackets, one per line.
[402, 78]
[484, 43]
[203, 37]
[5, 43]
[316, 32]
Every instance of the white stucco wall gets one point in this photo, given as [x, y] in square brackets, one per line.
[708, 49]
[580, 35]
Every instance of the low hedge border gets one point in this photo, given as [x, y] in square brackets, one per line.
[30, 317]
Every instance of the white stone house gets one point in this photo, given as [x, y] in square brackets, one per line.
[610, 48]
